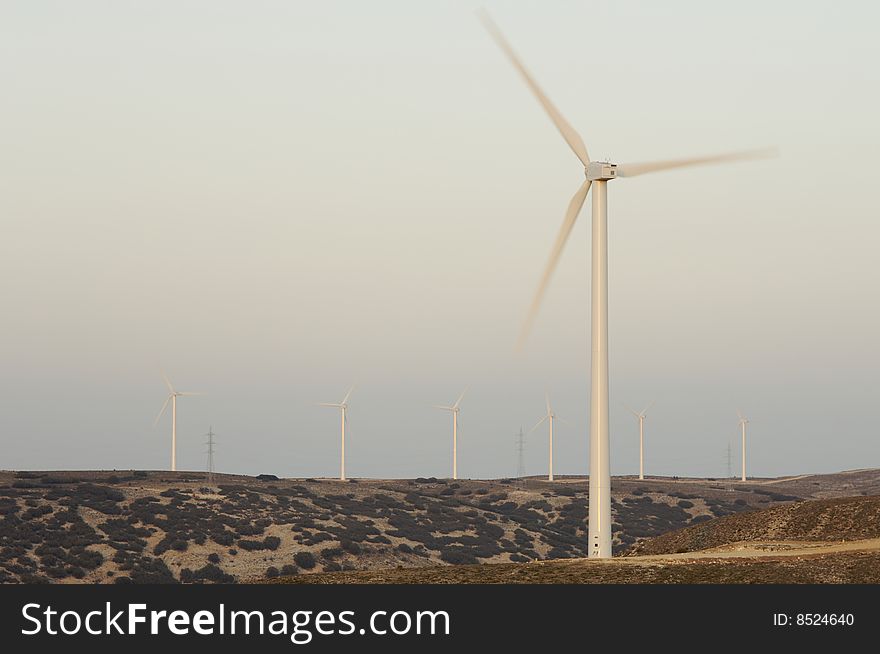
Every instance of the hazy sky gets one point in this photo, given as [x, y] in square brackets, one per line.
[275, 200]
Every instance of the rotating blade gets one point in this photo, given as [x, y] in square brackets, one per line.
[574, 140]
[634, 169]
[571, 214]
[162, 411]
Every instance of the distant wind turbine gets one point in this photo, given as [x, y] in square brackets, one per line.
[597, 174]
[454, 409]
[172, 397]
[743, 421]
[343, 406]
[549, 417]
[641, 416]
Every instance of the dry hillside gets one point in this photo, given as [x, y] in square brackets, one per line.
[141, 527]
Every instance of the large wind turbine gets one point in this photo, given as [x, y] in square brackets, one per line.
[641, 416]
[743, 421]
[454, 409]
[172, 397]
[549, 417]
[343, 407]
[597, 173]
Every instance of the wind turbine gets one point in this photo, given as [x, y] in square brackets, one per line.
[641, 416]
[597, 174]
[172, 397]
[743, 421]
[343, 406]
[549, 417]
[454, 409]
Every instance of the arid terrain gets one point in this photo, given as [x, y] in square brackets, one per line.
[810, 541]
[152, 527]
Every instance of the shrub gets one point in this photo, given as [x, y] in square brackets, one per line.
[222, 537]
[350, 546]
[268, 543]
[305, 560]
[685, 504]
[333, 566]
[272, 572]
[331, 552]
[457, 555]
[213, 573]
[213, 558]
[406, 549]
[289, 570]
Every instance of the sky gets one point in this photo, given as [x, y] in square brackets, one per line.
[274, 200]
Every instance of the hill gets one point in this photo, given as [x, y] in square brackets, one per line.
[844, 519]
[814, 541]
[141, 526]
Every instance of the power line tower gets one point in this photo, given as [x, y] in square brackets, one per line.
[729, 462]
[520, 452]
[210, 444]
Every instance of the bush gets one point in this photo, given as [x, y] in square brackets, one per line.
[457, 555]
[213, 573]
[213, 558]
[331, 552]
[406, 549]
[289, 570]
[685, 504]
[350, 546]
[305, 560]
[272, 572]
[333, 566]
[268, 543]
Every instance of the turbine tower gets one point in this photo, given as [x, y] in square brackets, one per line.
[598, 174]
[641, 416]
[549, 417]
[743, 421]
[343, 407]
[172, 398]
[454, 409]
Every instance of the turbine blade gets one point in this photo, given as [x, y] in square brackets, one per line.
[650, 404]
[460, 397]
[537, 424]
[571, 214]
[347, 395]
[634, 412]
[445, 408]
[191, 393]
[162, 411]
[167, 382]
[574, 140]
[547, 397]
[337, 406]
[633, 169]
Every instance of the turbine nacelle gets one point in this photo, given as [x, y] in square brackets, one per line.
[600, 171]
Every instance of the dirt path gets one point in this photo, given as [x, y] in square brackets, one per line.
[756, 550]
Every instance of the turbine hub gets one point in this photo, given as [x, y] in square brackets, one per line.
[600, 171]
